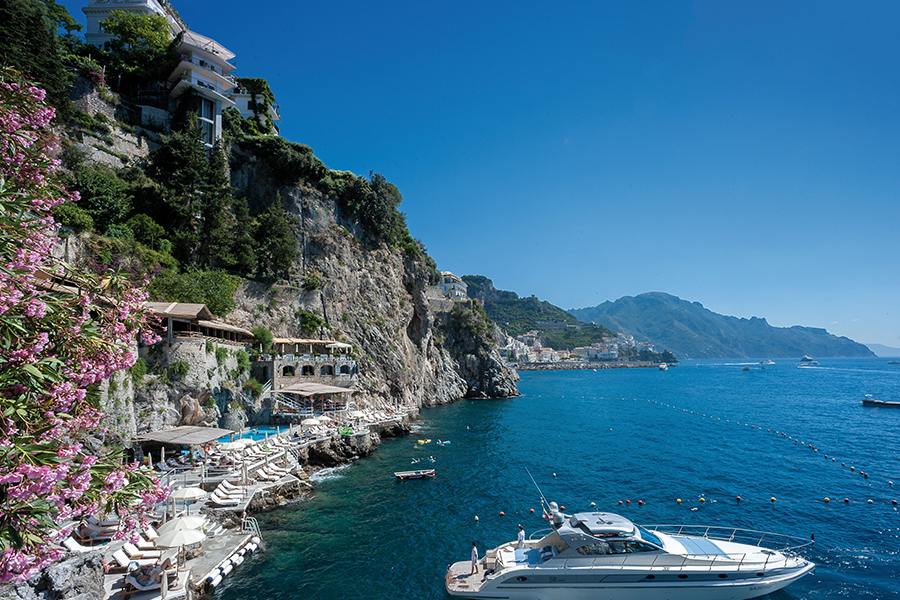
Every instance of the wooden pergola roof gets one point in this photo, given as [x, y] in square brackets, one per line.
[186, 435]
[180, 310]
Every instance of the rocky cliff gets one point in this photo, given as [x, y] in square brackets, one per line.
[373, 297]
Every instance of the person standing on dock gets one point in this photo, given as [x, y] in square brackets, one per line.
[474, 559]
[521, 536]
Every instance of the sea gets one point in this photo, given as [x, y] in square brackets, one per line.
[783, 437]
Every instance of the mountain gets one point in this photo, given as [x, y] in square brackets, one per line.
[515, 315]
[691, 331]
[882, 350]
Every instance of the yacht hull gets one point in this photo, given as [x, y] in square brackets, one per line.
[697, 585]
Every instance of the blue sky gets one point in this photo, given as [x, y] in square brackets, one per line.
[743, 155]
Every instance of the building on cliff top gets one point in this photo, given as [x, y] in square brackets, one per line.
[203, 71]
[453, 286]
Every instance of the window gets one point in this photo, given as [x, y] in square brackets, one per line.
[205, 108]
[653, 539]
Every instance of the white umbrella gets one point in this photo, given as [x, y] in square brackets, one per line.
[187, 493]
[182, 523]
[179, 538]
[231, 446]
[324, 419]
[309, 422]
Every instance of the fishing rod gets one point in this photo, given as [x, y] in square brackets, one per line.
[545, 506]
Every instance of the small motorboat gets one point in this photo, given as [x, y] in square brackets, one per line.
[663, 367]
[417, 474]
[597, 555]
[870, 401]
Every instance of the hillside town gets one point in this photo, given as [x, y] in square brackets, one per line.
[528, 348]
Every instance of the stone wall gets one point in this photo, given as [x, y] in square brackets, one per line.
[74, 577]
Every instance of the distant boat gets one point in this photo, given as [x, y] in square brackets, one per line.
[767, 362]
[746, 368]
[806, 358]
[418, 474]
[894, 362]
[870, 401]
[663, 367]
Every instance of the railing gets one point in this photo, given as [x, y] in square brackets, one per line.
[764, 539]
[251, 526]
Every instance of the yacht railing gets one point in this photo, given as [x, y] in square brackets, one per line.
[764, 539]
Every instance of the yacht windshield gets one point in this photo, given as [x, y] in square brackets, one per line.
[650, 537]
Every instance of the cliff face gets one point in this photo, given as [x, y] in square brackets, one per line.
[373, 298]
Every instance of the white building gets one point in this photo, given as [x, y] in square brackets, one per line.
[203, 70]
[453, 286]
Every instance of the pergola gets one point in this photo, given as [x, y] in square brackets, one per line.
[308, 390]
[186, 435]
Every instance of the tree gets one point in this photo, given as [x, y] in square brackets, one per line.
[146, 230]
[277, 244]
[59, 343]
[141, 49]
[215, 245]
[242, 233]
[180, 166]
[263, 337]
[104, 196]
[28, 43]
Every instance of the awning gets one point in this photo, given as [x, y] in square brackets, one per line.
[338, 345]
[186, 435]
[312, 389]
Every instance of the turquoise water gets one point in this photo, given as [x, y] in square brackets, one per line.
[603, 437]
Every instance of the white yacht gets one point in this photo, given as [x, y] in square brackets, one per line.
[597, 555]
[663, 367]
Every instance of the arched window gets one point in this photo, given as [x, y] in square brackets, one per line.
[287, 371]
[345, 370]
[327, 370]
[308, 370]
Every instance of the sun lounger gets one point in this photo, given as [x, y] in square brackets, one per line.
[112, 524]
[132, 552]
[231, 486]
[73, 546]
[122, 560]
[220, 501]
[262, 475]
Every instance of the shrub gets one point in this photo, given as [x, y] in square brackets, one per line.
[311, 282]
[179, 369]
[209, 347]
[213, 287]
[137, 372]
[263, 337]
[254, 387]
[221, 355]
[310, 323]
[72, 215]
[243, 360]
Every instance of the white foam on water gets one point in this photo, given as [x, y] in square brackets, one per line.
[328, 474]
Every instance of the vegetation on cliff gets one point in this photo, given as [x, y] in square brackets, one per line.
[517, 315]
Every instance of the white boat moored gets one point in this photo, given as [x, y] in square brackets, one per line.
[596, 555]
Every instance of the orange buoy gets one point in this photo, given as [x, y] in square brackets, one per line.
[852, 468]
[628, 502]
[738, 498]
[531, 510]
[562, 508]
[640, 502]
[678, 501]
[827, 499]
[502, 513]
[620, 502]
[893, 502]
[702, 499]
[843, 465]
[772, 498]
[847, 500]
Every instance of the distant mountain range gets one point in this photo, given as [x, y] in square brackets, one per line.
[882, 350]
[691, 331]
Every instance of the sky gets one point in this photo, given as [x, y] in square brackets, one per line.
[743, 155]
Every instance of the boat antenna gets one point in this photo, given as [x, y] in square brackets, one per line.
[544, 504]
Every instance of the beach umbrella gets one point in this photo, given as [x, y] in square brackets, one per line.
[179, 538]
[182, 523]
[308, 423]
[185, 494]
[231, 446]
[324, 419]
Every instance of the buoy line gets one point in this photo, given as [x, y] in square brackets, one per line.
[815, 449]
